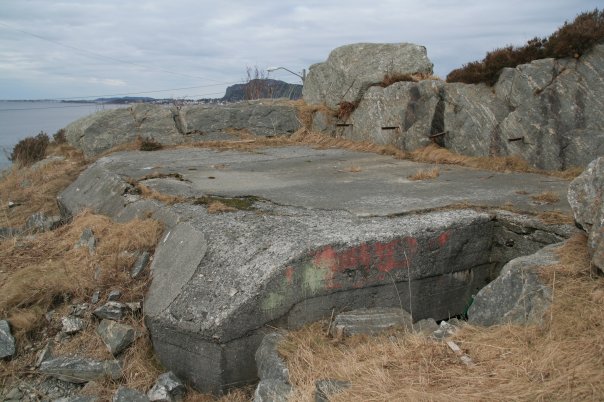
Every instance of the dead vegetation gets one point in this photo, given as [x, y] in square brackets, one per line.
[572, 40]
[34, 189]
[561, 360]
[546, 197]
[392, 78]
[425, 174]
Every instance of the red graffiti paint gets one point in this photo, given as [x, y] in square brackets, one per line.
[443, 239]
[289, 274]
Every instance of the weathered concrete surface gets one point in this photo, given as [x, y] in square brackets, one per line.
[316, 237]
[549, 112]
[586, 198]
[351, 69]
[104, 130]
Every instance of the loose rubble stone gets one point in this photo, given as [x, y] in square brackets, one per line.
[269, 362]
[325, 388]
[96, 297]
[370, 321]
[15, 393]
[45, 353]
[272, 390]
[79, 310]
[111, 311]
[586, 198]
[167, 388]
[7, 342]
[87, 239]
[426, 326]
[114, 295]
[80, 370]
[129, 395]
[116, 336]
[41, 222]
[518, 295]
[445, 329]
[9, 232]
[72, 325]
[140, 264]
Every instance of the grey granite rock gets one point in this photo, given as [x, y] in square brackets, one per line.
[167, 388]
[116, 336]
[586, 198]
[7, 342]
[270, 364]
[325, 388]
[111, 310]
[272, 390]
[140, 264]
[81, 370]
[370, 321]
[129, 395]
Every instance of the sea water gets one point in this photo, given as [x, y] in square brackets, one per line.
[20, 119]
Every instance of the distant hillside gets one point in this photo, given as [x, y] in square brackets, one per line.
[262, 88]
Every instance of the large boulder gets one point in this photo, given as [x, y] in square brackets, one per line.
[518, 295]
[586, 198]
[351, 69]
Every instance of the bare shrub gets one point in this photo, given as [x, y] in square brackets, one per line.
[149, 144]
[59, 137]
[345, 109]
[256, 85]
[571, 40]
[30, 150]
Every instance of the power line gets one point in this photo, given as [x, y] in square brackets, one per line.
[98, 55]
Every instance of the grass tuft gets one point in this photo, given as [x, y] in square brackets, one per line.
[546, 197]
[425, 174]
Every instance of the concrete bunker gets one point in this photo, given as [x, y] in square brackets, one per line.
[432, 270]
[316, 239]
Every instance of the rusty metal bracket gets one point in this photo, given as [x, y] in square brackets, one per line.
[438, 134]
[516, 139]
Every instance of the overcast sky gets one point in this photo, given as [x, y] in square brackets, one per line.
[88, 48]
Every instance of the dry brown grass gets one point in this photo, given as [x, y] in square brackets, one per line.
[35, 189]
[39, 272]
[351, 169]
[390, 79]
[561, 360]
[425, 174]
[556, 217]
[217, 207]
[546, 197]
[150, 193]
[305, 112]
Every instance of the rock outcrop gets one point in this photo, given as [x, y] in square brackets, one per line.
[104, 130]
[549, 112]
[586, 198]
[262, 89]
[350, 70]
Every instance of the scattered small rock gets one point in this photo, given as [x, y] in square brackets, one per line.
[140, 264]
[87, 239]
[134, 307]
[45, 353]
[14, 394]
[9, 232]
[167, 388]
[116, 336]
[111, 310]
[370, 321]
[129, 395]
[445, 330]
[96, 297]
[40, 222]
[80, 370]
[325, 388]
[272, 390]
[72, 325]
[426, 326]
[7, 342]
[79, 310]
[114, 295]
